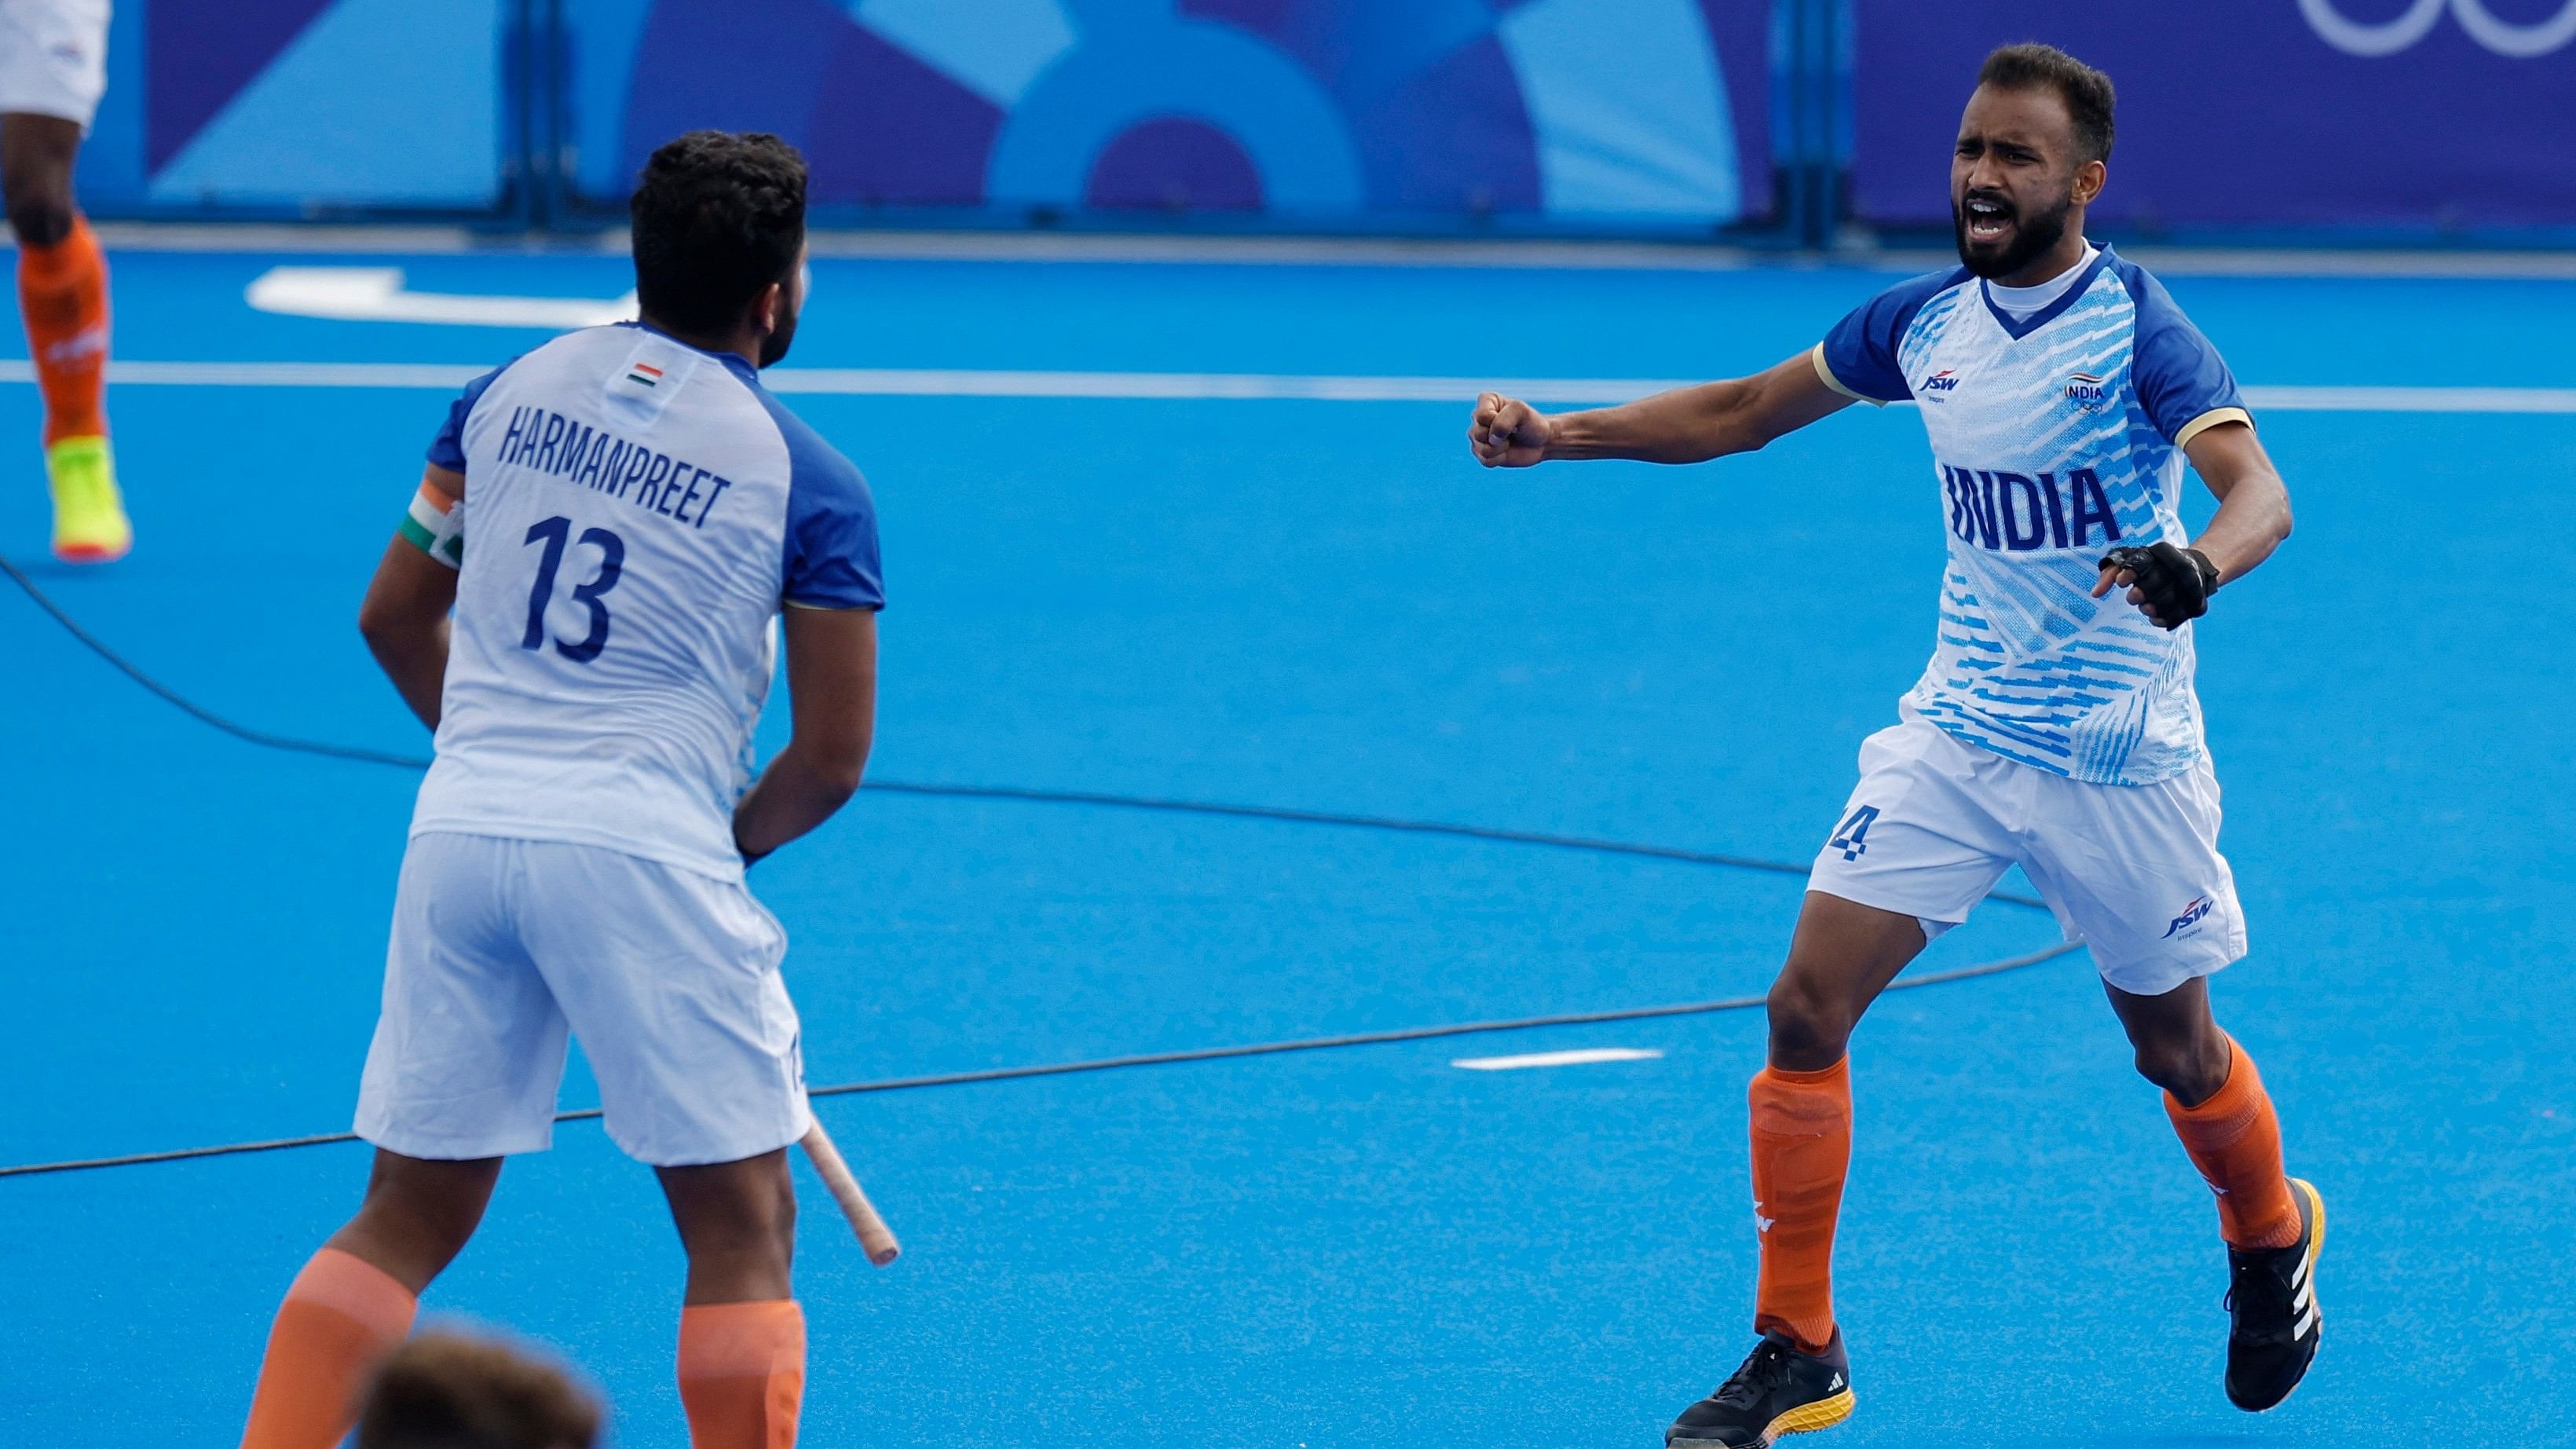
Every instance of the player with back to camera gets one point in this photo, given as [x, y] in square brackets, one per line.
[53, 68]
[642, 509]
[2056, 727]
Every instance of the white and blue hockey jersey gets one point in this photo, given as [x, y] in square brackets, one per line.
[636, 513]
[2055, 437]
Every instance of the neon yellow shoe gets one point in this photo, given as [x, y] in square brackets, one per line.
[89, 515]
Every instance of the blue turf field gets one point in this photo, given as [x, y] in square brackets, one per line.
[1327, 606]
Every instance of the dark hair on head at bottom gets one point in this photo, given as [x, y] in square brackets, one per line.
[447, 1391]
[717, 217]
[2086, 91]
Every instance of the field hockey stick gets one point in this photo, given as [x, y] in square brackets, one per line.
[874, 1236]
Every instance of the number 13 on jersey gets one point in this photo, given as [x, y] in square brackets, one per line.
[554, 533]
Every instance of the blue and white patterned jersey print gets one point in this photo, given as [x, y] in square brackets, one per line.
[2055, 437]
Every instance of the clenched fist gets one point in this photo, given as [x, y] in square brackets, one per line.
[1507, 433]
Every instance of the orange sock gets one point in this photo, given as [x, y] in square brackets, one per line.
[742, 1373]
[343, 1315]
[2235, 1141]
[62, 289]
[1801, 1153]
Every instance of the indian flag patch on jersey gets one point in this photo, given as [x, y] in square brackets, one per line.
[2084, 389]
[656, 371]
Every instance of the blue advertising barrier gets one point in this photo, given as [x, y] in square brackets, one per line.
[1301, 114]
[2388, 116]
[305, 107]
[1748, 118]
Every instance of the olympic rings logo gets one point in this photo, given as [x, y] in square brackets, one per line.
[2387, 37]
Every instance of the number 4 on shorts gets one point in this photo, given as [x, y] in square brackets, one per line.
[1852, 839]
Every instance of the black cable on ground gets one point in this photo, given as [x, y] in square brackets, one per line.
[974, 792]
[190, 707]
[1108, 1064]
[1046, 797]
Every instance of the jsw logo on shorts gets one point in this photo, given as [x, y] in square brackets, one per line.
[2016, 512]
[2192, 915]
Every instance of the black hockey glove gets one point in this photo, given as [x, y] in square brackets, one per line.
[2173, 583]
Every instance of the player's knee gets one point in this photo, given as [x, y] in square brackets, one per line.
[781, 1219]
[422, 1231]
[39, 215]
[2188, 1068]
[1808, 1020]
[755, 1219]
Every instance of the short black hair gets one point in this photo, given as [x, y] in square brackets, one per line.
[717, 217]
[2086, 91]
[446, 1391]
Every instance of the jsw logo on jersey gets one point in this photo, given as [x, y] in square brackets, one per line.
[2015, 512]
[1943, 381]
[2192, 915]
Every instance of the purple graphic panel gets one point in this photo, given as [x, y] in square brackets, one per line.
[1452, 137]
[888, 130]
[744, 65]
[1741, 31]
[1427, 101]
[1174, 164]
[2251, 115]
[197, 57]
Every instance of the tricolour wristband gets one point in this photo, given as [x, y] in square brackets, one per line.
[436, 526]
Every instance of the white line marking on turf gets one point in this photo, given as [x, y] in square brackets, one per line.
[377, 294]
[1222, 386]
[1583, 1058]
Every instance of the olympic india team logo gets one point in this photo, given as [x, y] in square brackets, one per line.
[2374, 38]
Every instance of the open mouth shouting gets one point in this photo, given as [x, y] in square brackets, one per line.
[1985, 220]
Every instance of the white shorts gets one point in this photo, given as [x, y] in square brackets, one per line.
[2133, 871]
[669, 977]
[53, 57]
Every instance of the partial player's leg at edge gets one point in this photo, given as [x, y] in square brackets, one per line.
[53, 68]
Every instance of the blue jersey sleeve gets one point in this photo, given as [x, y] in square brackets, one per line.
[2181, 381]
[831, 560]
[447, 450]
[1858, 358]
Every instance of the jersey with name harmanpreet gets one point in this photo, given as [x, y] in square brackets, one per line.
[2055, 437]
[636, 512]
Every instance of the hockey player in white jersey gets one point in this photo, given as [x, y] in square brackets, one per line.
[2056, 727]
[593, 650]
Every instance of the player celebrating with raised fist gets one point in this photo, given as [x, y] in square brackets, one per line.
[594, 660]
[2056, 727]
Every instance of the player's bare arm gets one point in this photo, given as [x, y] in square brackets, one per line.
[404, 616]
[1685, 425]
[2171, 585]
[832, 685]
